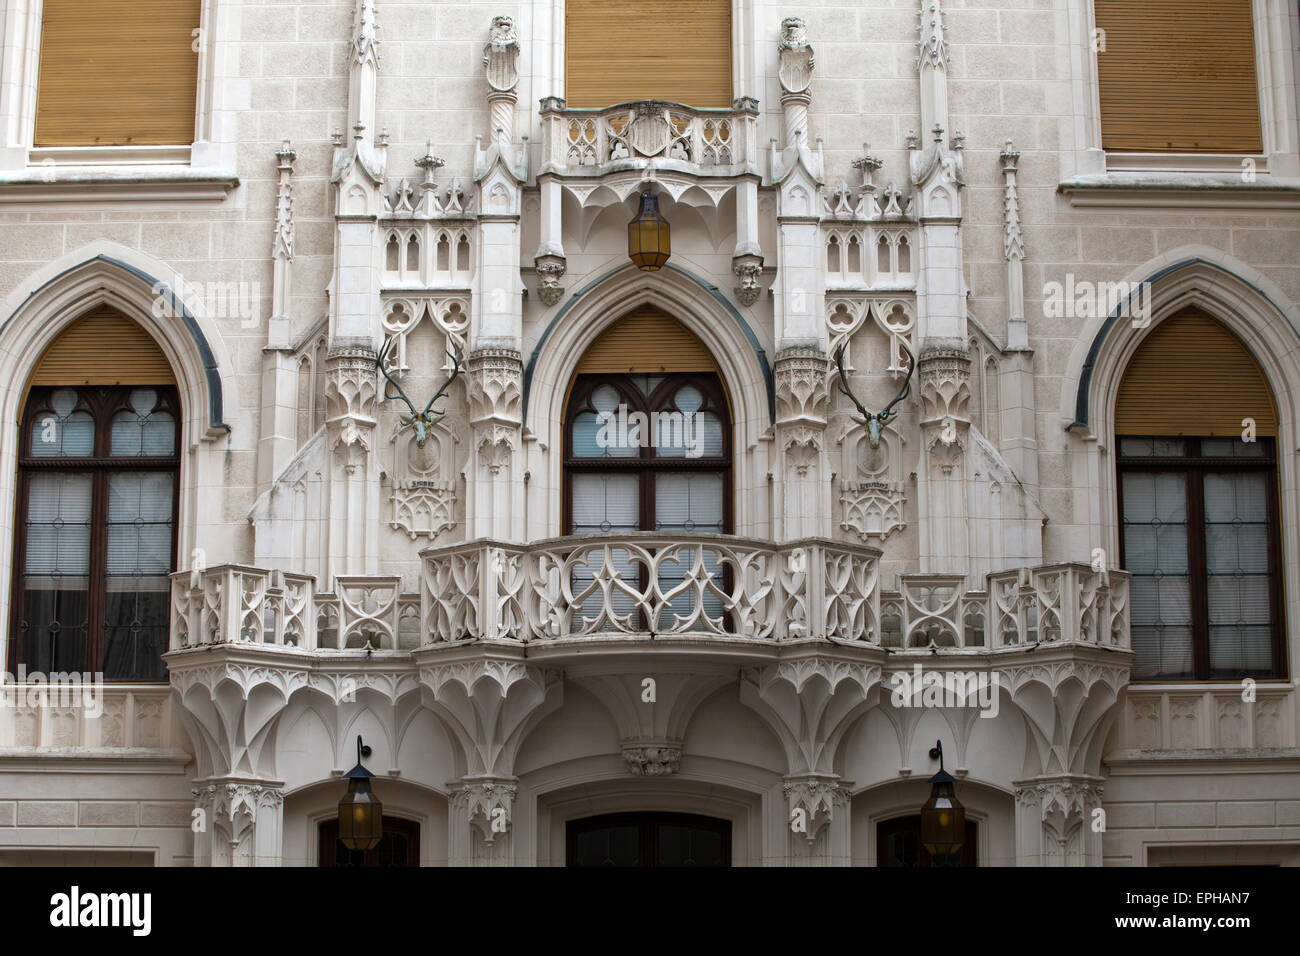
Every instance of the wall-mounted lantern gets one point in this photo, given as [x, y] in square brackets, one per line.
[943, 818]
[361, 815]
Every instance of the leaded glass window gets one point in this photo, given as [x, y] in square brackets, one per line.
[649, 453]
[96, 531]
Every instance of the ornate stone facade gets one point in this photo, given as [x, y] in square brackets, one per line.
[917, 468]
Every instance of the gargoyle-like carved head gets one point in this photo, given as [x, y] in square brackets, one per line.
[503, 31]
[794, 34]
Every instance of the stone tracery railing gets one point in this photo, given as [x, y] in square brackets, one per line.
[236, 604]
[650, 584]
[588, 140]
[1056, 603]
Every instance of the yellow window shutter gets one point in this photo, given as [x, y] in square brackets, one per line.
[1178, 76]
[616, 51]
[103, 347]
[1193, 377]
[117, 73]
[646, 341]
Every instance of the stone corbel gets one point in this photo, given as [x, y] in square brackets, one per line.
[351, 389]
[550, 269]
[486, 804]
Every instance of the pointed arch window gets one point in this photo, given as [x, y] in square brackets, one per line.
[95, 536]
[1198, 500]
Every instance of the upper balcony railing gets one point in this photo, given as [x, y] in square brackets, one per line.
[650, 585]
[709, 142]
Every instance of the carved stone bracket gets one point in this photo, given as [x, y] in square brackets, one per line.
[747, 270]
[486, 804]
[810, 801]
[494, 379]
[945, 385]
[801, 395]
[351, 388]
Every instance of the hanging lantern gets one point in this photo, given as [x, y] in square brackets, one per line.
[361, 815]
[649, 236]
[943, 818]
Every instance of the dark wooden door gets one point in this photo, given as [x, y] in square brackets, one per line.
[399, 845]
[898, 843]
[649, 839]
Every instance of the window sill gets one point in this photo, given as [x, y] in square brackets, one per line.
[49, 182]
[1172, 188]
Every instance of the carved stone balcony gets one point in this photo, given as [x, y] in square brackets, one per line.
[633, 136]
[1050, 604]
[651, 585]
[235, 604]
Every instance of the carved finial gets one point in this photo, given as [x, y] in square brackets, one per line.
[429, 162]
[1010, 158]
[959, 140]
[357, 129]
[365, 34]
[286, 155]
[913, 141]
[337, 136]
[938, 133]
[383, 137]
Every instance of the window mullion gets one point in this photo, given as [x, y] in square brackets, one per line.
[1199, 578]
[98, 586]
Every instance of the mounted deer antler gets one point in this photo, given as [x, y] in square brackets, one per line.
[875, 424]
[425, 420]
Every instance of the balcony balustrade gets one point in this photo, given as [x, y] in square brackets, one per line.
[711, 142]
[650, 585]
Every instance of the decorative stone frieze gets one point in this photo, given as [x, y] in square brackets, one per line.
[652, 760]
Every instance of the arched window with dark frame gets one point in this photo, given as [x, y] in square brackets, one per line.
[95, 535]
[648, 448]
[1198, 497]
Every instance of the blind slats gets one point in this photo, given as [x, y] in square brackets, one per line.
[104, 347]
[117, 73]
[646, 341]
[616, 51]
[1191, 376]
[1178, 76]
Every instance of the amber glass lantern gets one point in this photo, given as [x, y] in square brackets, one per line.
[649, 236]
[361, 815]
[943, 818]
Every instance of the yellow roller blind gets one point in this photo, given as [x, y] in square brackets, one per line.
[1177, 76]
[117, 73]
[103, 347]
[648, 341]
[1191, 376]
[621, 50]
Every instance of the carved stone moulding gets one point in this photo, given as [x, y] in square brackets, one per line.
[652, 758]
